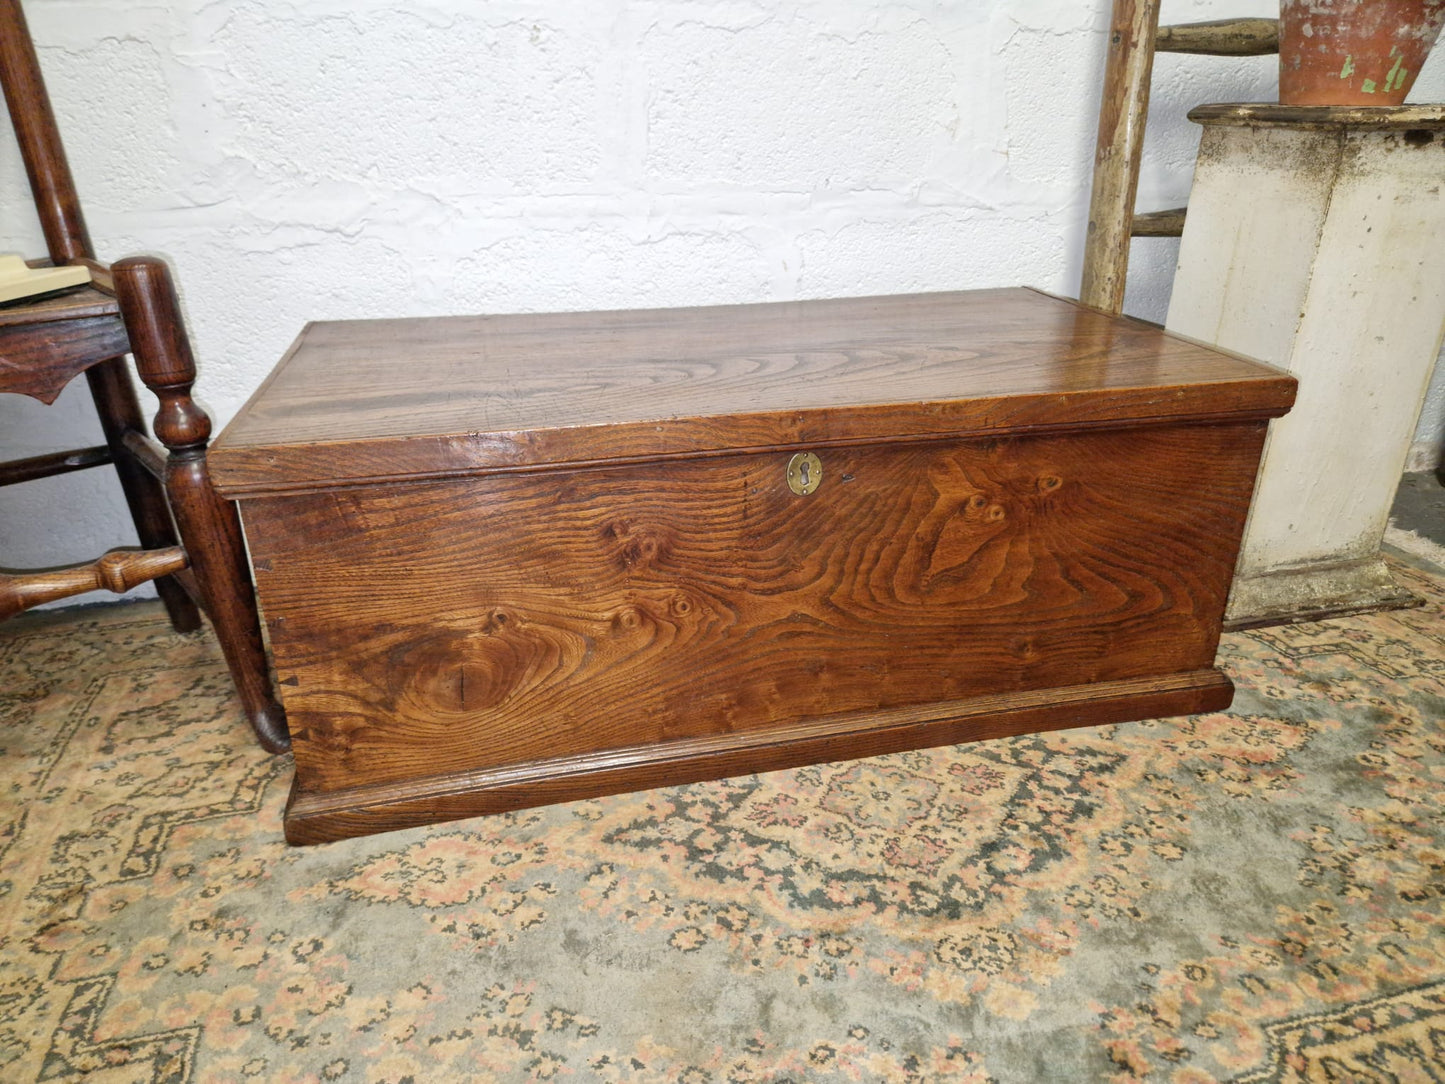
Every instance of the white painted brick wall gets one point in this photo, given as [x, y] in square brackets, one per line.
[322, 159]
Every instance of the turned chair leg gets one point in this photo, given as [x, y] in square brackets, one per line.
[119, 410]
[209, 528]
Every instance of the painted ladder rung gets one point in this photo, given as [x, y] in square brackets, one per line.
[1168, 223]
[1220, 37]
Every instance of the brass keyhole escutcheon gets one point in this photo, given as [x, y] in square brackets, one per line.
[805, 473]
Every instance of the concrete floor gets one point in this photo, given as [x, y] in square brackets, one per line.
[1417, 520]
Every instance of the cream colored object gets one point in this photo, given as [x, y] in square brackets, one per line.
[17, 280]
[1320, 247]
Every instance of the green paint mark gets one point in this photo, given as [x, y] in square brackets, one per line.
[1349, 68]
[1396, 78]
[1368, 86]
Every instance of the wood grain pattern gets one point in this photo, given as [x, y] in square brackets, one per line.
[472, 624]
[322, 817]
[368, 401]
[39, 360]
[508, 560]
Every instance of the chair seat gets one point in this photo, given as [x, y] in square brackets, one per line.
[47, 343]
[74, 303]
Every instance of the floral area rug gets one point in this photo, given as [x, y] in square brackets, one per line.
[1254, 895]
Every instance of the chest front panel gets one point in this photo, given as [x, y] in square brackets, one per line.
[508, 618]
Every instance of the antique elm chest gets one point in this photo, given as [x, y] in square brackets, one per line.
[512, 560]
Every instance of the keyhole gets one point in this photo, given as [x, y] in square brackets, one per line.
[805, 473]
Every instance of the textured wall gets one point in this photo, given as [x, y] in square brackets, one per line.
[328, 159]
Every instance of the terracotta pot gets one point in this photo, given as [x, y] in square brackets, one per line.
[1354, 52]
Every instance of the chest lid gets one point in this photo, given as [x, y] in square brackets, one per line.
[379, 400]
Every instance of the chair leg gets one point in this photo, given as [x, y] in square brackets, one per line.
[211, 533]
[209, 527]
[119, 410]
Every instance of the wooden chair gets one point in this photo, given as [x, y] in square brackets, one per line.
[191, 539]
[1134, 37]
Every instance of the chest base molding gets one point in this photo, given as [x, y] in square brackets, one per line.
[321, 818]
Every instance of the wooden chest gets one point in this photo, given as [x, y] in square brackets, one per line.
[512, 560]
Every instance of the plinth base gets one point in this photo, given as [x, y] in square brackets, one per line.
[1313, 243]
[1314, 592]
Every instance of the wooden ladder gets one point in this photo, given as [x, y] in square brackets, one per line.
[1134, 37]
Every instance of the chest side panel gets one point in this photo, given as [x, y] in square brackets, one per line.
[509, 618]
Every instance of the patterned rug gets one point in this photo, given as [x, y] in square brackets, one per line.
[1255, 895]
